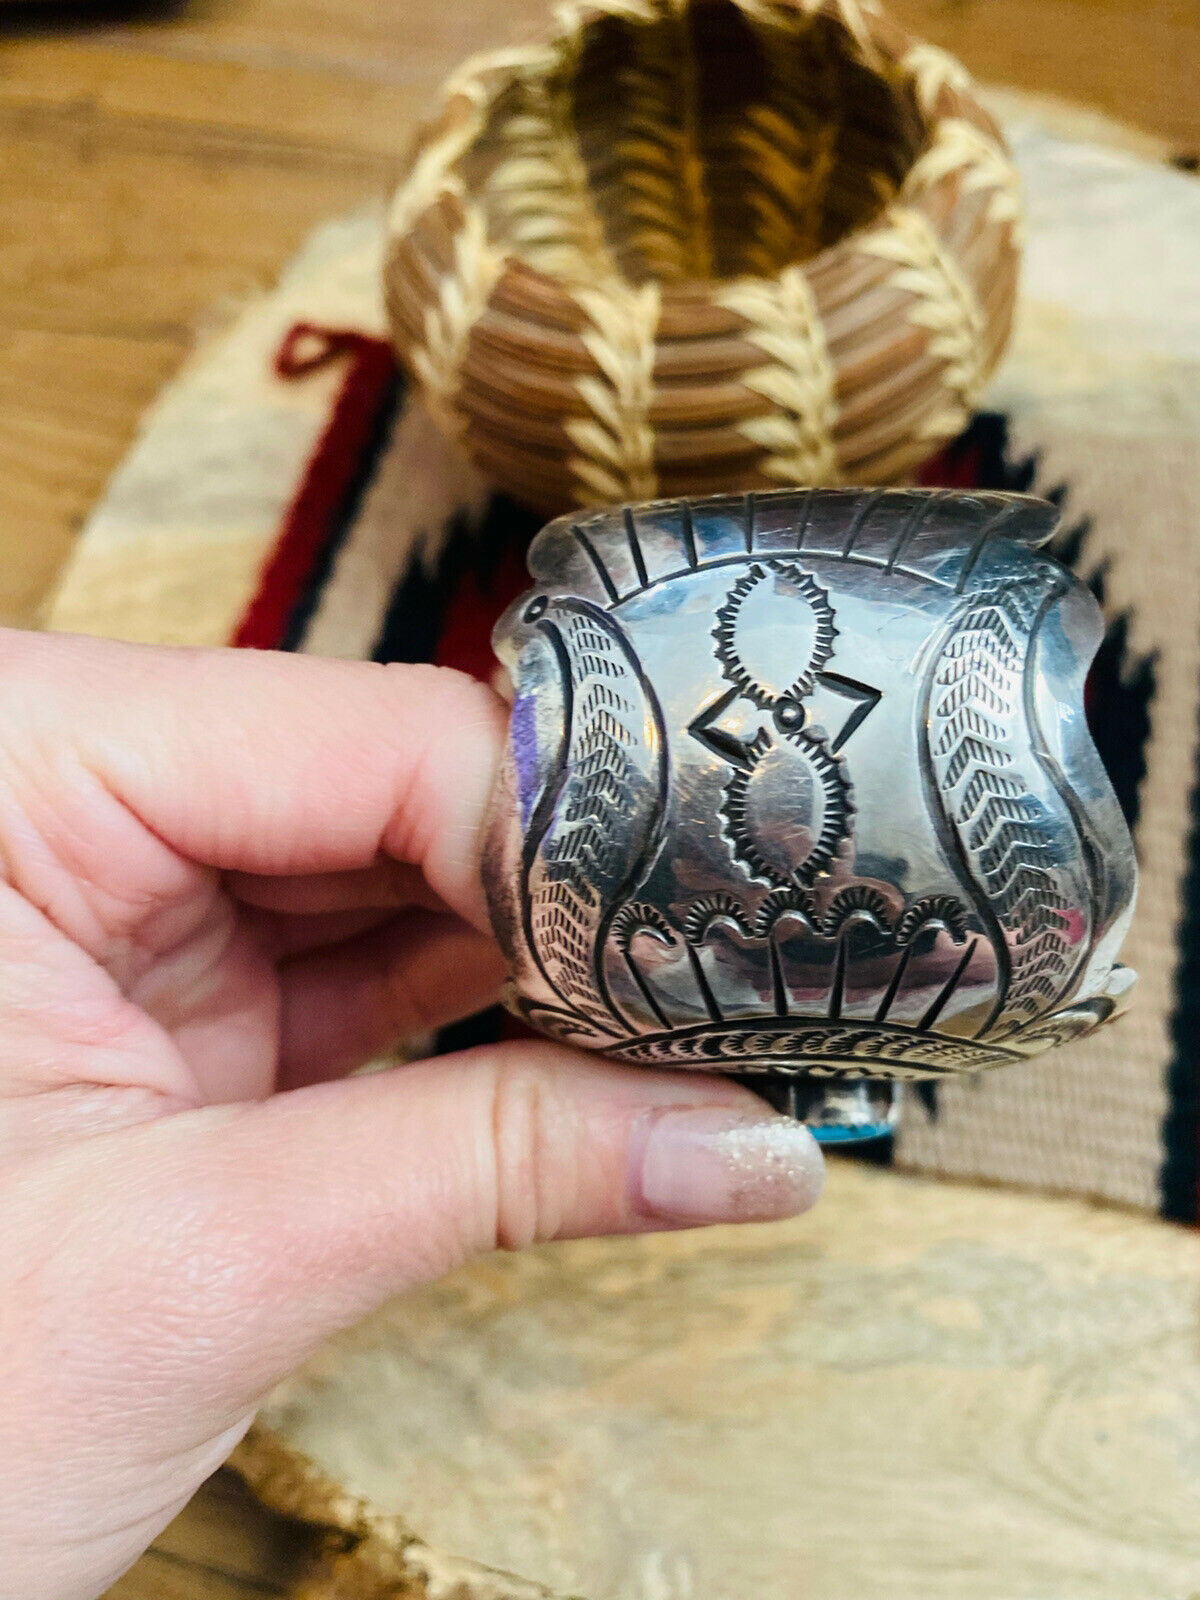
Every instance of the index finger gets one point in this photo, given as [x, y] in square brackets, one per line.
[265, 763]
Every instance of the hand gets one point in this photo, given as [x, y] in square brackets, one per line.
[225, 880]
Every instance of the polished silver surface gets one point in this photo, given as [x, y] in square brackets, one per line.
[799, 783]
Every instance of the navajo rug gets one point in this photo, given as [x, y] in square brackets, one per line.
[290, 493]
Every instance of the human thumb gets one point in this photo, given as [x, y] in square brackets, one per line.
[233, 1239]
[170, 1272]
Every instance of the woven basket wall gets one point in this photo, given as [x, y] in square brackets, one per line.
[683, 246]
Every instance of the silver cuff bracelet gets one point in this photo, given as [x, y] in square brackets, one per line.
[798, 787]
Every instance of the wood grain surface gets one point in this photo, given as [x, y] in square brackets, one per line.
[161, 161]
[917, 1392]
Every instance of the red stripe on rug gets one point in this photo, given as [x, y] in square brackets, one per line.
[465, 640]
[332, 469]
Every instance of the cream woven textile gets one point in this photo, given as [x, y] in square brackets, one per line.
[1097, 403]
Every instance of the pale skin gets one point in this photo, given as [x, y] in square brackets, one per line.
[227, 879]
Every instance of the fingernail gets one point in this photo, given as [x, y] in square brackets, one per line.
[721, 1164]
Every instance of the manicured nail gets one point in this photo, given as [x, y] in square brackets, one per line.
[720, 1164]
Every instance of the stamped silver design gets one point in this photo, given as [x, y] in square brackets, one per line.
[799, 784]
[767, 596]
[787, 807]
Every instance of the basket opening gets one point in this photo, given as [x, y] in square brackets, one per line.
[703, 145]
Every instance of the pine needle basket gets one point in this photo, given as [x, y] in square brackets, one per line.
[678, 247]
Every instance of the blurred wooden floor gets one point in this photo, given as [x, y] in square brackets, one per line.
[160, 159]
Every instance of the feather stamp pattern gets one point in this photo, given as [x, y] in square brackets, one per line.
[1004, 829]
[613, 769]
